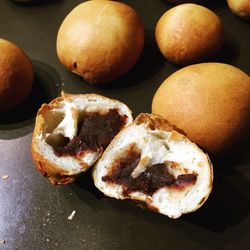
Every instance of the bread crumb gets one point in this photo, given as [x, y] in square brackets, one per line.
[2, 241]
[47, 240]
[72, 215]
[5, 177]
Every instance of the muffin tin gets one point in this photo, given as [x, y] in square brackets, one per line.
[36, 215]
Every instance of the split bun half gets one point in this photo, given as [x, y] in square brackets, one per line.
[151, 163]
[72, 131]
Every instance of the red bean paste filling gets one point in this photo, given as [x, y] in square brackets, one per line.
[95, 132]
[148, 182]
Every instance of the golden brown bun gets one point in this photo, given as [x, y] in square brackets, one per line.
[100, 40]
[240, 8]
[209, 102]
[185, 38]
[16, 75]
[184, 1]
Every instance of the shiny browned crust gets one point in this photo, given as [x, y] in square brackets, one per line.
[55, 174]
[49, 170]
[184, 1]
[210, 102]
[240, 8]
[184, 41]
[16, 76]
[100, 51]
[154, 122]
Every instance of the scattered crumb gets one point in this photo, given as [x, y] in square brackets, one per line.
[5, 177]
[47, 240]
[83, 240]
[72, 215]
[2, 241]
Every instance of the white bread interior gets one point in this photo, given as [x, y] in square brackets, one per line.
[158, 145]
[59, 119]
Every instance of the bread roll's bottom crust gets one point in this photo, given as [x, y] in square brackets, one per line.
[50, 170]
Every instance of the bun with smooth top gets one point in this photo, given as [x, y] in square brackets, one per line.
[184, 1]
[100, 40]
[16, 76]
[151, 163]
[210, 103]
[72, 131]
[240, 8]
[189, 33]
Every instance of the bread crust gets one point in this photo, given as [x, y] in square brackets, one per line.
[240, 8]
[184, 1]
[186, 39]
[48, 169]
[55, 173]
[153, 122]
[210, 102]
[16, 76]
[108, 41]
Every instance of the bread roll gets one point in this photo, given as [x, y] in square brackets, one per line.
[209, 102]
[150, 162]
[189, 33]
[100, 40]
[72, 131]
[184, 1]
[16, 76]
[240, 8]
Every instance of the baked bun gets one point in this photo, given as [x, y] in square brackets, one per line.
[151, 163]
[100, 40]
[209, 102]
[16, 75]
[240, 8]
[184, 1]
[185, 38]
[72, 131]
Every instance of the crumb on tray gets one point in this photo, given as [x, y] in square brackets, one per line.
[5, 177]
[72, 215]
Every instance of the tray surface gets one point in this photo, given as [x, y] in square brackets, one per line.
[34, 214]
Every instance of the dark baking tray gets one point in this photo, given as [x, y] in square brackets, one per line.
[34, 214]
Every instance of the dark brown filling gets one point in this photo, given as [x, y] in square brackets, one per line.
[95, 132]
[152, 179]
